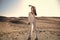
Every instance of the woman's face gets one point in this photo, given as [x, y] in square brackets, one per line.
[32, 9]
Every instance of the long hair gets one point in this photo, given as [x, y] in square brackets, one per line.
[33, 9]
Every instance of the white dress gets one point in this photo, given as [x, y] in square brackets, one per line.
[32, 21]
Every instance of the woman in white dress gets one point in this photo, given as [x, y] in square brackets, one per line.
[32, 21]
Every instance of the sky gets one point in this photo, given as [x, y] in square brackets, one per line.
[17, 8]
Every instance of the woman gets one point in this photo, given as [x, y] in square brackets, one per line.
[32, 21]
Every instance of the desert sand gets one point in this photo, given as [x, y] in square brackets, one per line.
[13, 28]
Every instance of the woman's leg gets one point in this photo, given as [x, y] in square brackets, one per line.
[30, 31]
[35, 30]
[32, 26]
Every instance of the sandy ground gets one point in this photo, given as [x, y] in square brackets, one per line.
[47, 29]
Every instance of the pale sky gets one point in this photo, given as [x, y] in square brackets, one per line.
[16, 8]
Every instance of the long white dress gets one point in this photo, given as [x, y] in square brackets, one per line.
[32, 21]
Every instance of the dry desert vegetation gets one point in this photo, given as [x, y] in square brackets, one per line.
[13, 28]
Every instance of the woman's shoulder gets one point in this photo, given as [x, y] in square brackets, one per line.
[30, 13]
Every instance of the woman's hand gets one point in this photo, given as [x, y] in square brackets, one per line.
[28, 23]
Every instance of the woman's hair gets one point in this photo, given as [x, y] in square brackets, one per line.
[33, 10]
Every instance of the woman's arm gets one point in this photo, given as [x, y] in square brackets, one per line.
[29, 18]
